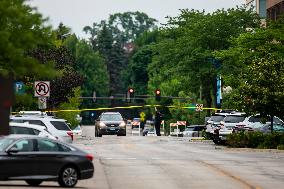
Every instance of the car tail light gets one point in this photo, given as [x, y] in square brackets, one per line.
[70, 133]
[90, 157]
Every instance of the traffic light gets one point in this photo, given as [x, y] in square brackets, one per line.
[158, 94]
[130, 94]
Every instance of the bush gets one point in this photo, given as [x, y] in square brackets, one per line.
[256, 140]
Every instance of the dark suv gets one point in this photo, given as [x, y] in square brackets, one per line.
[110, 123]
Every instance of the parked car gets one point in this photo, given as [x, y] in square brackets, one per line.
[145, 131]
[227, 126]
[214, 123]
[77, 131]
[266, 128]
[193, 131]
[151, 132]
[29, 129]
[250, 120]
[57, 127]
[110, 123]
[37, 159]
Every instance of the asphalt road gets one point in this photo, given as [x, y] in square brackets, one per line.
[134, 162]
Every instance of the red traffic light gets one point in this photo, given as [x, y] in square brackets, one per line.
[158, 92]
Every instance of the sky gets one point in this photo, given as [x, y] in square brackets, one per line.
[79, 13]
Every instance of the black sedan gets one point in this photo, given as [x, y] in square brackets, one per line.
[37, 159]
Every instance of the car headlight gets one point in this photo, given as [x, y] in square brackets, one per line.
[102, 124]
[122, 124]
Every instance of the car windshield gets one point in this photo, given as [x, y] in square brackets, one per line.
[111, 117]
[77, 128]
[217, 118]
[257, 125]
[60, 125]
[4, 143]
[254, 119]
[234, 119]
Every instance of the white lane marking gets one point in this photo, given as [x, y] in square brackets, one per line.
[155, 158]
[108, 158]
[131, 158]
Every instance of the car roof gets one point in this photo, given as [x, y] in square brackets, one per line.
[26, 124]
[18, 136]
[111, 113]
[36, 117]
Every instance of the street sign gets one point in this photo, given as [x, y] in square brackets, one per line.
[42, 88]
[142, 116]
[41, 103]
[199, 107]
[19, 87]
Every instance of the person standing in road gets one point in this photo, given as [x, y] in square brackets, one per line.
[158, 120]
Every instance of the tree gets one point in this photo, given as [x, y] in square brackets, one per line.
[253, 66]
[22, 29]
[72, 105]
[113, 37]
[184, 53]
[91, 66]
[128, 26]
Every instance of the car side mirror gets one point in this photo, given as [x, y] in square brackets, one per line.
[12, 150]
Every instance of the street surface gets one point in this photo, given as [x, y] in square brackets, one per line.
[134, 162]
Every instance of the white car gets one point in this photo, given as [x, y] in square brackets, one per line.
[193, 131]
[57, 127]
[29, 129]
[77, 130]
[214, 123]
[229, 123]
[249, 121]
[151, 132]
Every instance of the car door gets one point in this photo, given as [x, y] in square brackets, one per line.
[50, 157]
[21, 163]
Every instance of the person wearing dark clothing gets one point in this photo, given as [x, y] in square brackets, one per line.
[158, 120]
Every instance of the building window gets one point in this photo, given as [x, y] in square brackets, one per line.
[274, 12]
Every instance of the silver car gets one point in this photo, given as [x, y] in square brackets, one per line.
[57, 127]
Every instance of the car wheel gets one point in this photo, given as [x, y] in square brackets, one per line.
[68, 177]
[100, 134]
[96, 133]
[34, 182]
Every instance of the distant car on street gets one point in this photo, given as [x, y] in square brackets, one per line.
[77, 130]
[37, 159]
[151, 132]
[110, 123]
[193, 131]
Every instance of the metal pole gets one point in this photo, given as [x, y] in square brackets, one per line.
[139, 127]
[164, 127]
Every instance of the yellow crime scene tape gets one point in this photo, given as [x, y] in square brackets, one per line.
[125, 107]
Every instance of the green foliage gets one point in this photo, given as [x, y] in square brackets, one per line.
[91, 66]
[182, 64]
[253, 66]
[72, 104]
[22, 29]
[112, 38]
[25, 102]
[255, 140]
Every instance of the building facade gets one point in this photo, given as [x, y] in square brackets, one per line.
[270, 9]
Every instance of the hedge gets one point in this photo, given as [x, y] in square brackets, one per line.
[256, 140]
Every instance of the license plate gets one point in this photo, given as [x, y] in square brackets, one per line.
[112, 129]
